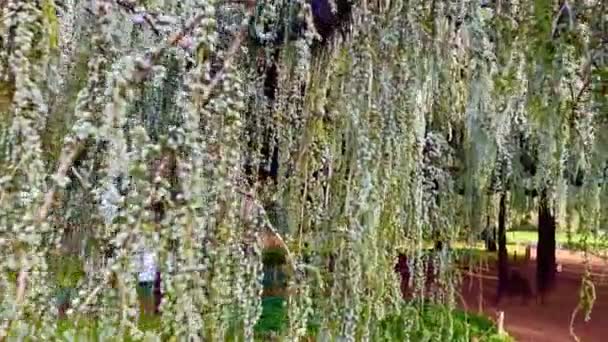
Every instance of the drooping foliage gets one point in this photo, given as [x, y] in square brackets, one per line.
[142, 124]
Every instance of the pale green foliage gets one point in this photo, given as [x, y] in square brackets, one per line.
[394, 116]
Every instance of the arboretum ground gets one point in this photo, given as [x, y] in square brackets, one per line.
[548, 322]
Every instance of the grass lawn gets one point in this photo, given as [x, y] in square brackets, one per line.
[424, 323]
[526, 237]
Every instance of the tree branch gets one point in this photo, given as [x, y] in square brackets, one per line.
[230, 54]
[250, 201]
[578, 97]
[130, 7]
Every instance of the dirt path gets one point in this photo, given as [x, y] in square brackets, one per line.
[549, 322]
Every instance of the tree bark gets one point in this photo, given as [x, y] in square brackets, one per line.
[545, 252]
[490, 236]
[503, 257]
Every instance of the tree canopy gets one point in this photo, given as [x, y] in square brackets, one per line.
[387, 123]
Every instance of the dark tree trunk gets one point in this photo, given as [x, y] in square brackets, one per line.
[403, 269]
[503, 257]
[490, 236]
[438, 245]
[158, 295]
[545, 252]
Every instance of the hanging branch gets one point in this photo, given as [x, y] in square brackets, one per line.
[72, 150]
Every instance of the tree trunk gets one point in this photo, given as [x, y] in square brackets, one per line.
[545, 251]
[503, 257]
[438, 245]
[490, 236]
[403, 269]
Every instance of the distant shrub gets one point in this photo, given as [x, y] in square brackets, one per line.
[274, 316]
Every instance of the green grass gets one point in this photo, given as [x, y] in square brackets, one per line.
[438, 323]
[474, 255]
[274, 317]
[430, 322]
[273, 321]
[526, 237]
[414, 323]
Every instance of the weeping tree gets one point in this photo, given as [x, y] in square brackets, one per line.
[563, 99]
[350, 117]
[542, 91]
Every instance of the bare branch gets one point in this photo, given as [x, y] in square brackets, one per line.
[21, 285]
[576, 100]
[130, 7]
[250, 204]
[65, 162]
[82, 181]
[93, 293]
[230, 54]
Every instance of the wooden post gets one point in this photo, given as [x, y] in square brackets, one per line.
[501, 323]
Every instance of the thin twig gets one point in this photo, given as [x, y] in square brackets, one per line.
[230, 54]
[176, 37]
[82, 181]
[572, 319]
[269, 228]
[21, 285]
[91, 296]
[65, 162]
[501, 323]
[131, 9]
[577, 99]
[90, 11]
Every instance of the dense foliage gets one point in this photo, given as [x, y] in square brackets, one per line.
[128, 125]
